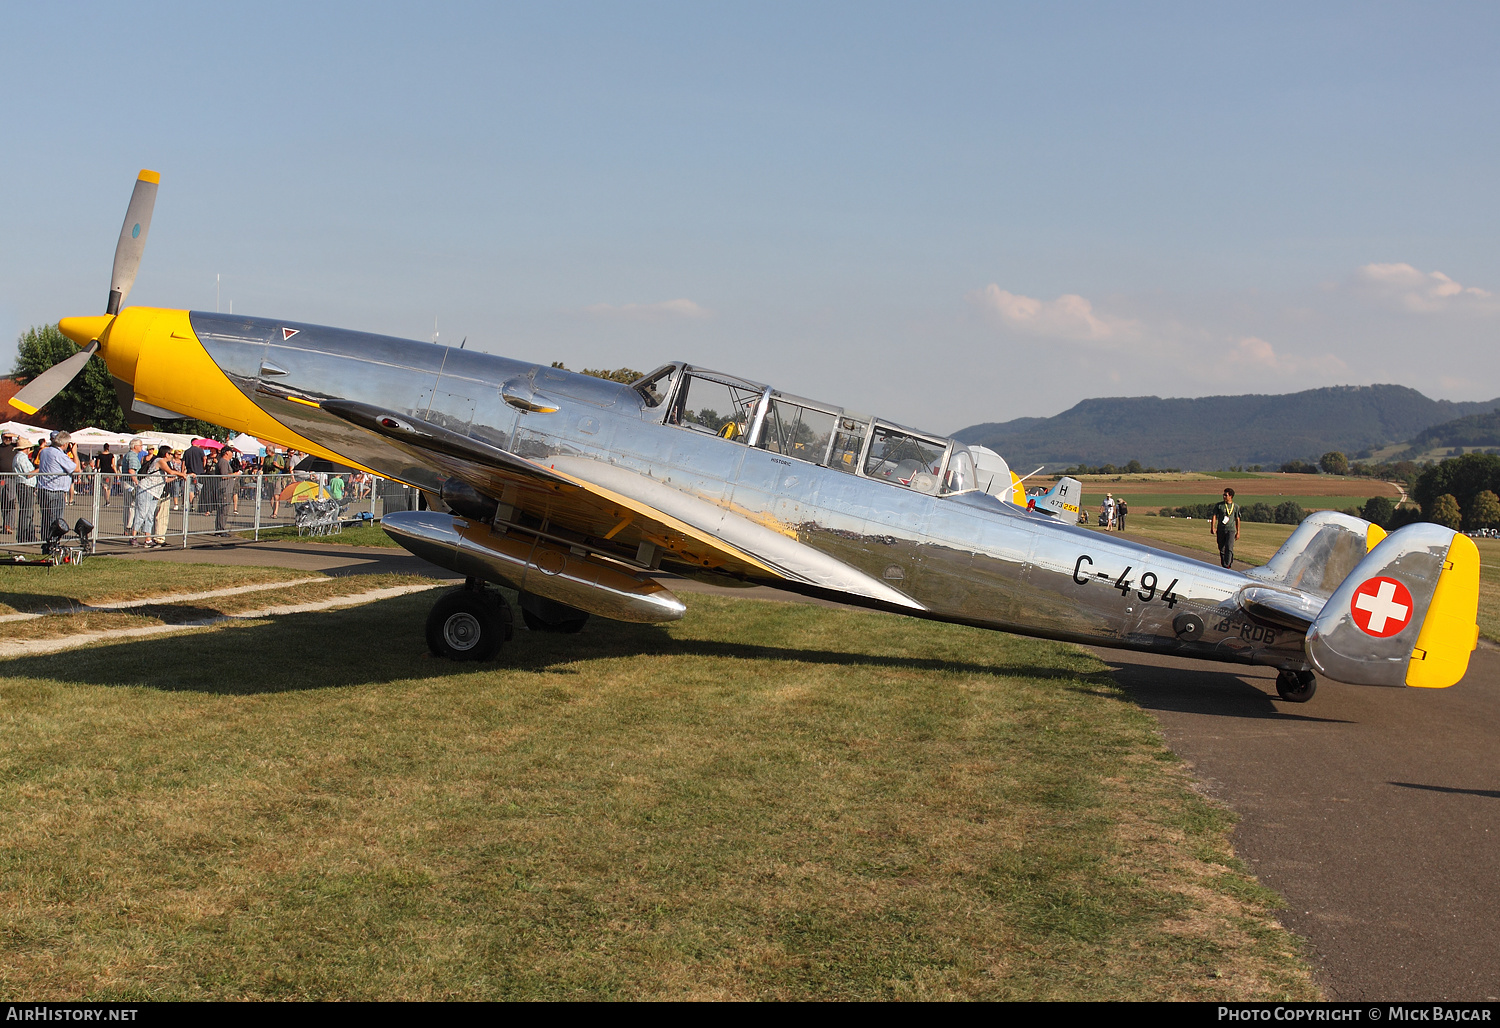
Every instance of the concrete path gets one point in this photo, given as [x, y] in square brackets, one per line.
[1375, 812]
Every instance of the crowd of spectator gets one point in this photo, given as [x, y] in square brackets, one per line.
[38, 481]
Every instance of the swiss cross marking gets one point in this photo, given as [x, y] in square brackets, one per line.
[1381, 607]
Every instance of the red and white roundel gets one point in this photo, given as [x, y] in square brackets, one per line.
[1381, 607]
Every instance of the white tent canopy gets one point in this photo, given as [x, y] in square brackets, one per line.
[30, 433]
[96, 438]
[246, 443]
[154, 439]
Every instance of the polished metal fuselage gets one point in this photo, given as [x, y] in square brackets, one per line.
[966, 558]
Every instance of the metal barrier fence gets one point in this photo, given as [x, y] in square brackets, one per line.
[123, 508]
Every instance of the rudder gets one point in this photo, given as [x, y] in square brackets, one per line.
[1406, 615]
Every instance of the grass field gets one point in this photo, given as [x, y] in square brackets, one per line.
[189, 612]
[1151, 492]
[115, 579]
[764, 800]
[1208, 487]
[1256, 545]
[366, 534]
[1142, 501]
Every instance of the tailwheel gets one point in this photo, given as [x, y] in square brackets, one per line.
[468, 624]
[1296, 686]
[544, 615]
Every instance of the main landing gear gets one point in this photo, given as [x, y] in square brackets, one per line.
[1296, 686]
[471, 623]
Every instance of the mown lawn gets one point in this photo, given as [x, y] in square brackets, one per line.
[764, 800]
[1256, 545]
[1142, 501]
[363, 534]
[1489, 588]
[116, 579]
[313, 589]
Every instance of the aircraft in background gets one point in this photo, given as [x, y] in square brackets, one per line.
[579, 492]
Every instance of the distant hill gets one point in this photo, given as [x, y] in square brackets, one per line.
[1474, 430]
[1213, 432]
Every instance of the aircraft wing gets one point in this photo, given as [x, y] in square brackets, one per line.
[613, 510]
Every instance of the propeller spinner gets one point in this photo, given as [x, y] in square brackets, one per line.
[128, 252]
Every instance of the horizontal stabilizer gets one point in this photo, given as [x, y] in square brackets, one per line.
[1280, 606]
[1321, 553]
[1405, 616]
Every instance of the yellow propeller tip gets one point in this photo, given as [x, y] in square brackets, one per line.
[24, 408]
[147, 175]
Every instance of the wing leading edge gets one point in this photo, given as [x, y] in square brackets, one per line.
[616, 511]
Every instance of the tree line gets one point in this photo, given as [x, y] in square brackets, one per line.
[1460, 492]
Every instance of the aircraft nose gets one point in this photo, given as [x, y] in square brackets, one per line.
[85, 330]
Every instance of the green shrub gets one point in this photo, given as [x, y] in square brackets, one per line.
[1378, 510]
[1290, 512]
[1193, 510]
[1445, 512]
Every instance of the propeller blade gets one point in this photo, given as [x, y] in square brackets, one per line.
[132, 240]
[54, 380]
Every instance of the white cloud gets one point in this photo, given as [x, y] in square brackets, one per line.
[1070, 316]
[1254, 354]
[667, 309]
[1420, 291]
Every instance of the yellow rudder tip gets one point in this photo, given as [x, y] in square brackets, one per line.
[1451, 631]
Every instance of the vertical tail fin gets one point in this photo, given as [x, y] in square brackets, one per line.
[1406, 615]
[1322, 552]
[1062, 499]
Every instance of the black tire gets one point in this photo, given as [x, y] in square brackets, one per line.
[1296, 686]
[544, 615]
[467, 625]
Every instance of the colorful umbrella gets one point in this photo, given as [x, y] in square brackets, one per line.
[208, 444]
[299, 491]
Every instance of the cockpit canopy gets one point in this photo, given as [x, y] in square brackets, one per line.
[749, 413]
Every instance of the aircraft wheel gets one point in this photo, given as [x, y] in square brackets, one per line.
[544, 615]
[1296, 686]
[468, 624]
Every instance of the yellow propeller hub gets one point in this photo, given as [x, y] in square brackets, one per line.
[85, 330]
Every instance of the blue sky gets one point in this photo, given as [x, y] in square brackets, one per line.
[942, 213]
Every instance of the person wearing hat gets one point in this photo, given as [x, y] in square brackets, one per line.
[55, 478]
[8, 482]
[25, 482]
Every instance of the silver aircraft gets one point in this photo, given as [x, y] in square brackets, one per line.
[580, 493]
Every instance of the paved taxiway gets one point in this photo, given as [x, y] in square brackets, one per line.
[1375, 812]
